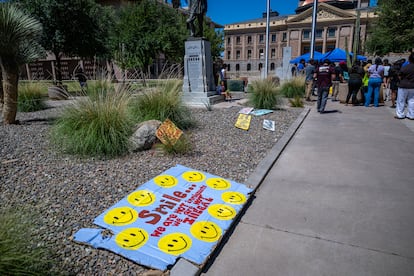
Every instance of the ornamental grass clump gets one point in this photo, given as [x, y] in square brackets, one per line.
[296, 102]
[95, 126]
[163, 102]
[264, 94]
[21, 252]
[31, 97]
[294, 87]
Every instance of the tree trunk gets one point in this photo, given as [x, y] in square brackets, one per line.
[10, 74]
[59, 68]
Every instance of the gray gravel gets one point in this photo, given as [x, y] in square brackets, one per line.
[70, 191]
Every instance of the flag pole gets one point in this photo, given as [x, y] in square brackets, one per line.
[314, 18]
[267, 38]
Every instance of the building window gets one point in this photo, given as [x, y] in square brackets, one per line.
[318, 48]
[261, 38]
[330, 47]
[237, 67]
[249, 53]
[272, 66]
[238, 54]
[228, 41]
[228, 67]
[249, 67]
[260, 66]
[306, 34]
[249, 40]
[273, 53]
[284, 36]
[228, 55]
[332, 32]
[273, 38]
[318, 33]
[261, 53]
[238, 40]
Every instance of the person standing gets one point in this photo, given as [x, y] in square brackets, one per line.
[335, 83]
[394, 81]
[324, 74]
[406, 91]
[354, 83]
[301, 67]
[376, 73]
[387, 68]
[309, 72]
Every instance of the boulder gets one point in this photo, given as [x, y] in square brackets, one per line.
[144, 136]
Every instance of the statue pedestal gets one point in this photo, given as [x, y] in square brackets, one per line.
[198, 72]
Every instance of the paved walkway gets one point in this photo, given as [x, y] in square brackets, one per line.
[338, 201]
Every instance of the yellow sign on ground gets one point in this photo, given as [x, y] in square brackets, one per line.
[168, 133]
[243, 121]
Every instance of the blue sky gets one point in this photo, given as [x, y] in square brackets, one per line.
[232, 11]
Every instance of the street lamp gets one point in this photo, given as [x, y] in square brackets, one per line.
[267, 38]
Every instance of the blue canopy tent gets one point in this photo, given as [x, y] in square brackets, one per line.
[306, 57]
[337, 55]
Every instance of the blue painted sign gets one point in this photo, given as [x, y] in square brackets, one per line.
[179, 213]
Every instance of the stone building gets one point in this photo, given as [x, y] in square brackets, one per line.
[244, 42]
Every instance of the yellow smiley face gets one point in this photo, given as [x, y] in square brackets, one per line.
[218, 183]
[222, 211]
[166, 181]
[175, 243]
[233, 197]
[206, 231]
[131, 238]
[141, 198]
[193, 176]
[121, 216]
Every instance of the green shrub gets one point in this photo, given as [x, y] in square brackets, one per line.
[294, 87]
[95, 126]
[264, 94]
[235, 85]
[181, 146]
[296, 102]
[31, 97]
[20, 252]
[163, 102]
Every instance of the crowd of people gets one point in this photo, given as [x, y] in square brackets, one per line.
[364, 78]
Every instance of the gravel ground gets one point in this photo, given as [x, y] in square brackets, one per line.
[70, 191]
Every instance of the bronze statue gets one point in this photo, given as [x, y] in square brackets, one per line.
[197, 10]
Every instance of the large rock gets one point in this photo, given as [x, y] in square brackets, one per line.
[144, 135]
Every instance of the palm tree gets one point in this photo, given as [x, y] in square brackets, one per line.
[19, 34]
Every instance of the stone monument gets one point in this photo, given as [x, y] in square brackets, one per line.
[198, 64]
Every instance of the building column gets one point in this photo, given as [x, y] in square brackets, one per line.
[337, 37]
[325, 34]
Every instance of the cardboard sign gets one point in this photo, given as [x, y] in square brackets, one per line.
[243, 121]
[168, 133]
[180, 213]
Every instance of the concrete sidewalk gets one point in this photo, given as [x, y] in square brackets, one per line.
[338, 201]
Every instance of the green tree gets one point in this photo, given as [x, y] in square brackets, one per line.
[393, 30]
[72, 28]
[145, 30]
[216, 38]
[19, 43]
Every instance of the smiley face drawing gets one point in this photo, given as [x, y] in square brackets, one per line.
[175, 243]
[222, 211]
[121, 216]
[193, 176]
[141, 198]
[166, 181]
[131, 238]
[218, 183]
[207, 231]
[233, 197]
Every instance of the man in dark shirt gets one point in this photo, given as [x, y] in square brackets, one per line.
[324, 74]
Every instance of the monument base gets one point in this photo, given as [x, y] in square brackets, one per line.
[198, 85]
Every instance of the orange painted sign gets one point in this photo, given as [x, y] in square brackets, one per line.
[168, 133]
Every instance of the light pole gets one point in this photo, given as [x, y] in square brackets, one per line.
[267, 38]
[314, 18]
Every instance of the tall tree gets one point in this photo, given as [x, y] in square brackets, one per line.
[72, 28]
[393, 30]
[19, 43]
[144, 31]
